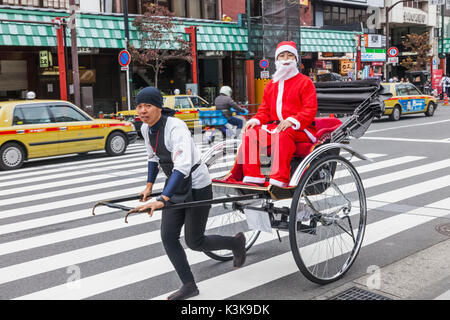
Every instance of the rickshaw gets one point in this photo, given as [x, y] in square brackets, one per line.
[324, 207]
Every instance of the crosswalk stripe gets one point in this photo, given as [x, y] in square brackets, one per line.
[62, 166]
[90, 168]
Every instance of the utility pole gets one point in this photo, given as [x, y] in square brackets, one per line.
[388, 9]
[73, 5]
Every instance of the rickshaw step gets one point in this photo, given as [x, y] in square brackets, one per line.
[284, 225]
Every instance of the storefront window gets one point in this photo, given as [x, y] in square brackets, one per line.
[209, 9]
[342, 15]
[335, 15]
[179, 8]
[351, 15]
[194, 9]
[327, 15]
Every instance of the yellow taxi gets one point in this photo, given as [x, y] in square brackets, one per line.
[407, 99]
[186, 107]
[42, 128]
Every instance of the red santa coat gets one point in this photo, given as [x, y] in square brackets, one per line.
[294, 99]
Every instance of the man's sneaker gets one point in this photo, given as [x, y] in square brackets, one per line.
[239, 253]
[188, 290]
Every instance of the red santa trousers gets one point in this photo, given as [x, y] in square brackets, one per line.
[281, 146]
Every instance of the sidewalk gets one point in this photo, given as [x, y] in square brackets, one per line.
[424, 275]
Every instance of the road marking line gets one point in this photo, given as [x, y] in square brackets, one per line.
[407, 126]
[404, 139]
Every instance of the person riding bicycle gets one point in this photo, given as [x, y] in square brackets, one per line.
[224, 102]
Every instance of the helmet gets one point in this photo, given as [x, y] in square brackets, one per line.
[226, 90]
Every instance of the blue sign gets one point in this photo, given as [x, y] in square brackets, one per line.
[412, 105]
[124, 58]
[264, 63]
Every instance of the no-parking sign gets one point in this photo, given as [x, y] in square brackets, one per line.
[393, 52]
[264, 63]
[124, 58]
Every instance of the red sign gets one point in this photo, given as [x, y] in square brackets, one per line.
[264, 63]
[124, 58]
[393, 52]
[377, 63]
[436, 76]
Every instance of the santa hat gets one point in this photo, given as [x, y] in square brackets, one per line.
[288, 46]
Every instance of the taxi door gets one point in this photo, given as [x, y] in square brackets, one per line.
[77, 132]
[34, 127]
[402, 93]
[185, 111]
[417, 99]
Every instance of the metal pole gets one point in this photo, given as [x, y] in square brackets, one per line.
[75, 66]
[127, 39]
[442, 39]
[387, 43]
[128, 89]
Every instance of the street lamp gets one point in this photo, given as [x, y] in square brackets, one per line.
[388, 9]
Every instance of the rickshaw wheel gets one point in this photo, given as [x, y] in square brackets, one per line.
[226, 219]
[327, 219]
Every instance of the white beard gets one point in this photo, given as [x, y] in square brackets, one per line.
[285, 72]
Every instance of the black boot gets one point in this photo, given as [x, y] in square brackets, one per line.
[239, 253]
[188, 290]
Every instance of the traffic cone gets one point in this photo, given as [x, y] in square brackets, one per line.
[332, 115]
[445, 100]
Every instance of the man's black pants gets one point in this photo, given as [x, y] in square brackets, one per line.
[194, 221]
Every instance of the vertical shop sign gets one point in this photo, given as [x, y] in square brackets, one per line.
[436, 76]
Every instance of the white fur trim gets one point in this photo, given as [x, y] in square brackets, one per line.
[253, 180]
[310, 136]
[278, 183]
[258, 123]
[287, 48]
[280, 100]
[294, 122]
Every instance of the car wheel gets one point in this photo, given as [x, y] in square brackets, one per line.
[396, 113]
[116, 144]
[430, 110]
[12, 156]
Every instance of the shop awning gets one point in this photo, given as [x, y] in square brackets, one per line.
[319, 40]
[107, 31]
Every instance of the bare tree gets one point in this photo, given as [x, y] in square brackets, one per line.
[419, 44]
[159, 41]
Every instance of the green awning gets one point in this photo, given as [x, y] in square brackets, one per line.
[319, 40]
[107, 31]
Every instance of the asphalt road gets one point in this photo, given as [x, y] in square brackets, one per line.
[52, 248]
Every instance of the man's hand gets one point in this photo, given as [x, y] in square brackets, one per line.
[284, 125]
[149, 207]
[145, 194]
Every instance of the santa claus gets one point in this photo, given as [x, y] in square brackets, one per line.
[284, 118]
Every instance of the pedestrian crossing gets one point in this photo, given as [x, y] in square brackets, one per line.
[47, 230]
